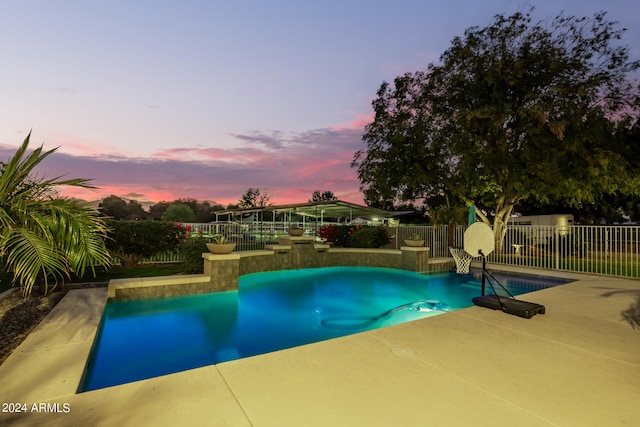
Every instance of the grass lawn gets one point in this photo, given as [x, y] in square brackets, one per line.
[115, 272]
[615, 265]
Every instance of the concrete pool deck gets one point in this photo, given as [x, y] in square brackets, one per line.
[578, 364]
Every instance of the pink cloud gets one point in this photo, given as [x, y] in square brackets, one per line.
[72, 143]
[359, 121]
[211, 155]
[290, 165]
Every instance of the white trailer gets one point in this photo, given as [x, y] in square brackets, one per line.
[562, 221]
[542, 227]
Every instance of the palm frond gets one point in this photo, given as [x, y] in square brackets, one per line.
[42, 235]
[32, 257]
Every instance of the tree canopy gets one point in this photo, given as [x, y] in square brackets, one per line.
[117, 208]
[204, 211]
[322, 196]
[255, 198]
[514, 112]
[179, 212]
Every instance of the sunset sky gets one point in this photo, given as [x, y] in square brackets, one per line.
[157, 100]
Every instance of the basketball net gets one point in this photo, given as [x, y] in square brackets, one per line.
[462, 259]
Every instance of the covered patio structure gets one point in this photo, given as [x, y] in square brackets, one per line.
[313, 214]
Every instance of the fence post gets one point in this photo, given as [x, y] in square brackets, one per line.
[557, 245]
[433, 239]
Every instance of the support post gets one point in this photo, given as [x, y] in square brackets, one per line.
[484, 269]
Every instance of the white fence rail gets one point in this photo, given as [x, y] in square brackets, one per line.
[254, 236]
[604, 250]
[248, 236]
[163, 258]
[435, 237]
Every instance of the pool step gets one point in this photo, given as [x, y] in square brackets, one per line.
[473, 284]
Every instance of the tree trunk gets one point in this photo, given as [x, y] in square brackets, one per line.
[450, 234]
[500, 226]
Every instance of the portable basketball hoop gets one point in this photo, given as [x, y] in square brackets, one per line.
[478, 241]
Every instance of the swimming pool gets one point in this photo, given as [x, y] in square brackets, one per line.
[271, 311]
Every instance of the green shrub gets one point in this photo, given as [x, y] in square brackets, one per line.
[369, 237]
[191, 250]
[131, 241]
[336, 234]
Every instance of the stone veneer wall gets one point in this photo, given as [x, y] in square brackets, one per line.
[221, 272]
[158, 287]
[310, 256]
[302, 252]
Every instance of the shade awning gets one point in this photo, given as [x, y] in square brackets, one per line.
[326, 209]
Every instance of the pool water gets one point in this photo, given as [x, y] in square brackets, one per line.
[270, 311]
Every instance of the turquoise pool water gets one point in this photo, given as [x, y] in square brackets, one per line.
[271, 311]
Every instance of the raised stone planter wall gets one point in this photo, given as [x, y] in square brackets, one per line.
[158, 287]
[222, 272]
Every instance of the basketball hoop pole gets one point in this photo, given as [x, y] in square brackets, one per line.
[479, 240]
[484, 269]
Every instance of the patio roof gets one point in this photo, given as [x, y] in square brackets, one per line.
[326, 209]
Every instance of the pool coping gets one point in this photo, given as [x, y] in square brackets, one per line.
[271, 389]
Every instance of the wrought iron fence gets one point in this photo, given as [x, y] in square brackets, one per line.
[604, 250]
[436, 237]
[254, 236]
[166, 257]
[251, 235]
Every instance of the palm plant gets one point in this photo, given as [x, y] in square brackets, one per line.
[45, 237]
[219, 239]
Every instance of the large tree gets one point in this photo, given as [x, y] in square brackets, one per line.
[323, 196]
[255, 198]
[204, 211]
[45, 237]
[117, 208]
[617, 206]
[515, 111]
[179, 212]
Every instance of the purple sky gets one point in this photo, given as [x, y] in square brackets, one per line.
[156, 100]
